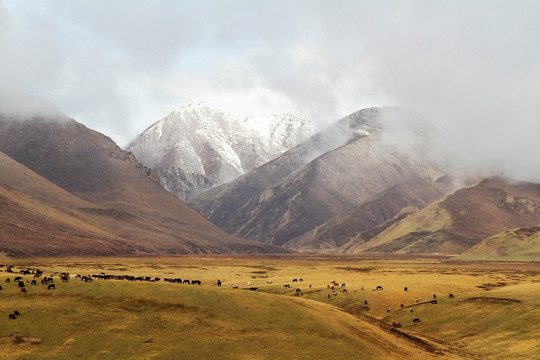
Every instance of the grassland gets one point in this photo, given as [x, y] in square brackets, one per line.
[495, 313]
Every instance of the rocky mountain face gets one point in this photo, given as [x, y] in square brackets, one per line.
[458, 221]
[327, 175]
[197, 147]
[68, 190]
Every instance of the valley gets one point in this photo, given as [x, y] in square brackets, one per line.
[494, 313]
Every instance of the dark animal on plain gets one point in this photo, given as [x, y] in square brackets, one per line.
[396, 324]
[416, 320]
[345, 291]
[388, 310]
[17, 278]
[379, 287]
[451, 296]
[334, 293]
[365, 302]
[16, 313]
[219, 283]
[310, 286]
[433, 301]
[411, 310]
[8, 280]
[300, 279]
[1, 288]
[298, 290]
[343, 285]
[195, 282]
[402, 306]
[185, 282]
[294, 280]
[21, 284]
[51, 286]
[405, 289]
[235, 287]
[253, 288]
[33, 282]
[329, 296]
[65, 278]
[23, 290]
[11, 316]
[287, 286]
[434, 296]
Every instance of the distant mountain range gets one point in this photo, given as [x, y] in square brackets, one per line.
[267, 184]
[198, 147]
[331, 173]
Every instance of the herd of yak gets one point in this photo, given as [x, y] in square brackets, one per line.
[65, 277]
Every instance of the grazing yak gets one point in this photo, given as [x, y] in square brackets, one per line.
[416, 320]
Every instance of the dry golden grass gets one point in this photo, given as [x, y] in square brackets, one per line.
[113, 319]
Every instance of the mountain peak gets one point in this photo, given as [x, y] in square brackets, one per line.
[198, 146]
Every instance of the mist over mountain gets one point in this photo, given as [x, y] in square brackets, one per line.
[198, 147]
[332, 172]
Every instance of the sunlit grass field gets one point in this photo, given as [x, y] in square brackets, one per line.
[495, 312]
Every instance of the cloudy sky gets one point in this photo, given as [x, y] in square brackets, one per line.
[473, 67]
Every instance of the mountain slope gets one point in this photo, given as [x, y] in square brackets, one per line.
[373, 216]
[328, 174]
[115, 195]
[460, 220]
[522, 244]
[197, 147]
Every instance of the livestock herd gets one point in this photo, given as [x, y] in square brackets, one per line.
[37, 275]
[48, 281]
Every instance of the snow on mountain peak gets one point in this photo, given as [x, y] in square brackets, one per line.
[197, 147]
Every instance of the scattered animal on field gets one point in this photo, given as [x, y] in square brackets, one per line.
[416, 320]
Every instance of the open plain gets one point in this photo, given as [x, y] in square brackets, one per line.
[270, 307]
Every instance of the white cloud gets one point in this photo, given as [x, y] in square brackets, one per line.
[473, 67]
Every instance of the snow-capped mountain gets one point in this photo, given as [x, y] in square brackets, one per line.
[198, 147]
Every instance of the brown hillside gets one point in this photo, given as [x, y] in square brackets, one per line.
[114, 195]
[461, 220]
